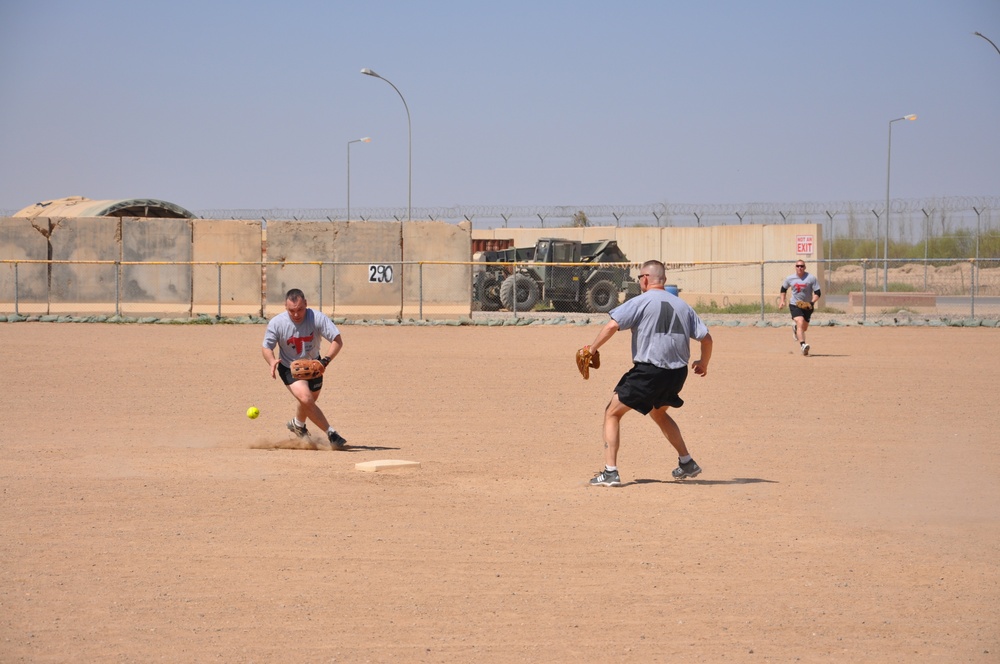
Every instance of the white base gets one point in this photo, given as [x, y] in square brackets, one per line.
[385, 464]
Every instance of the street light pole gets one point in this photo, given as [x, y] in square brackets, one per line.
[409, 131]
[366, 139]
[888, 174]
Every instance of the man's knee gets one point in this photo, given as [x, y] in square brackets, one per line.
[302, 393]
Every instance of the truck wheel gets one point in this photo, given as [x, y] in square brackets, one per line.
[488, 293]
[526, 289]
[602, 297]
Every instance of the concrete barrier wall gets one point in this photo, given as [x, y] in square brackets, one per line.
[82, 286]
[299, 241]
[375, 245]
[156, 288]
[237, 241]
[25, 239]
[370, 279]
[349, 290]
[437, 290]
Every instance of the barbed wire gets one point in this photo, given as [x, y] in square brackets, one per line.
[657, 211]
[661, 214]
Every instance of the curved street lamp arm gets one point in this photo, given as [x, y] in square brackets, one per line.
[979, 34]
[409, 132]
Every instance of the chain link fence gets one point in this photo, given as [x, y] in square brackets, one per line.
[853, 289]
[375, 290]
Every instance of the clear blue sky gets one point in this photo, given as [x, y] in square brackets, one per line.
[248, 104]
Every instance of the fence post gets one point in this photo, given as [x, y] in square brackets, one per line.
[762, 291]
[17, 311]
[263, 286]
[420, 293]
[972, 299]
[864, 290]
[118, 288]
[218, 271]
[513, 275]
[321, 286]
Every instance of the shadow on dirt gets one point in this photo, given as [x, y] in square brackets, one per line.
[313, 446]
[735, 480]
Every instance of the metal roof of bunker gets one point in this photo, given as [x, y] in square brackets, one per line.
[79, 206]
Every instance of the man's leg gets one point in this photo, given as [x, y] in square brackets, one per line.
[612, 429]
[670, 429]
[686, 466]
[307, 407]
[800, 328]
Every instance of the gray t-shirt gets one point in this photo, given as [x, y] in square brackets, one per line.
[662, 326]
[299, 342]
[802, 289]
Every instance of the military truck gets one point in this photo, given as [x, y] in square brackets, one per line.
[540, 277]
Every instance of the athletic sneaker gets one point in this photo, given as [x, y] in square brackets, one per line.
[299, 431]
[337, 441]
[606, 478]
[805, 349]
[689, 469]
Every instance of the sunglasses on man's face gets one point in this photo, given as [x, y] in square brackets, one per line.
[802, 266]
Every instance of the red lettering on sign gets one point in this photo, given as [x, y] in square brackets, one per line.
[803, 244]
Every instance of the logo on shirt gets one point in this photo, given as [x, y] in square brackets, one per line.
[799, 287]
[668, 322]
[299, 342]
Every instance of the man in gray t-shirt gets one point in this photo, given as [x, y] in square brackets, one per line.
[805, 294]
[662, 327]
[297, 333]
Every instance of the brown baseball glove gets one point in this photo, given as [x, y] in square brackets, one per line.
[306, 369]
[586, 360]
[804, 306]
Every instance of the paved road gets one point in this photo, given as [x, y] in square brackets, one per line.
[945, 304]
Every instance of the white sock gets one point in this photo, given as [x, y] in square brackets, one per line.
[297, 423]
[685, 458]
[611, 468]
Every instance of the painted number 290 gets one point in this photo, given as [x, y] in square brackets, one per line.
[380, 274]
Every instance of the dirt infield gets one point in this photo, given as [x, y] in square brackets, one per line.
[849, 508]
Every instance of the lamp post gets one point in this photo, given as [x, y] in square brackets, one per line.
[979, 34]
[409, 131]
[366, 139]
[888, 173]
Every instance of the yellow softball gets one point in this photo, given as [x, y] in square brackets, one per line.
[253, 412]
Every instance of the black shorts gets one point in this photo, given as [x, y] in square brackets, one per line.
[796, 312]
[645, 387]
[315, 385]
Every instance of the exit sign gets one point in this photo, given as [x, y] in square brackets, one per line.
[803, 244]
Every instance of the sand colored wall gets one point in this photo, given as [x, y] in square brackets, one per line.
[20, 239]
[157, 288]
[301, 241]
[237, 241]
[359, 292]
[79, 284]
[779, 245]
[437, 290]
[694, 255]
[355, 287]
